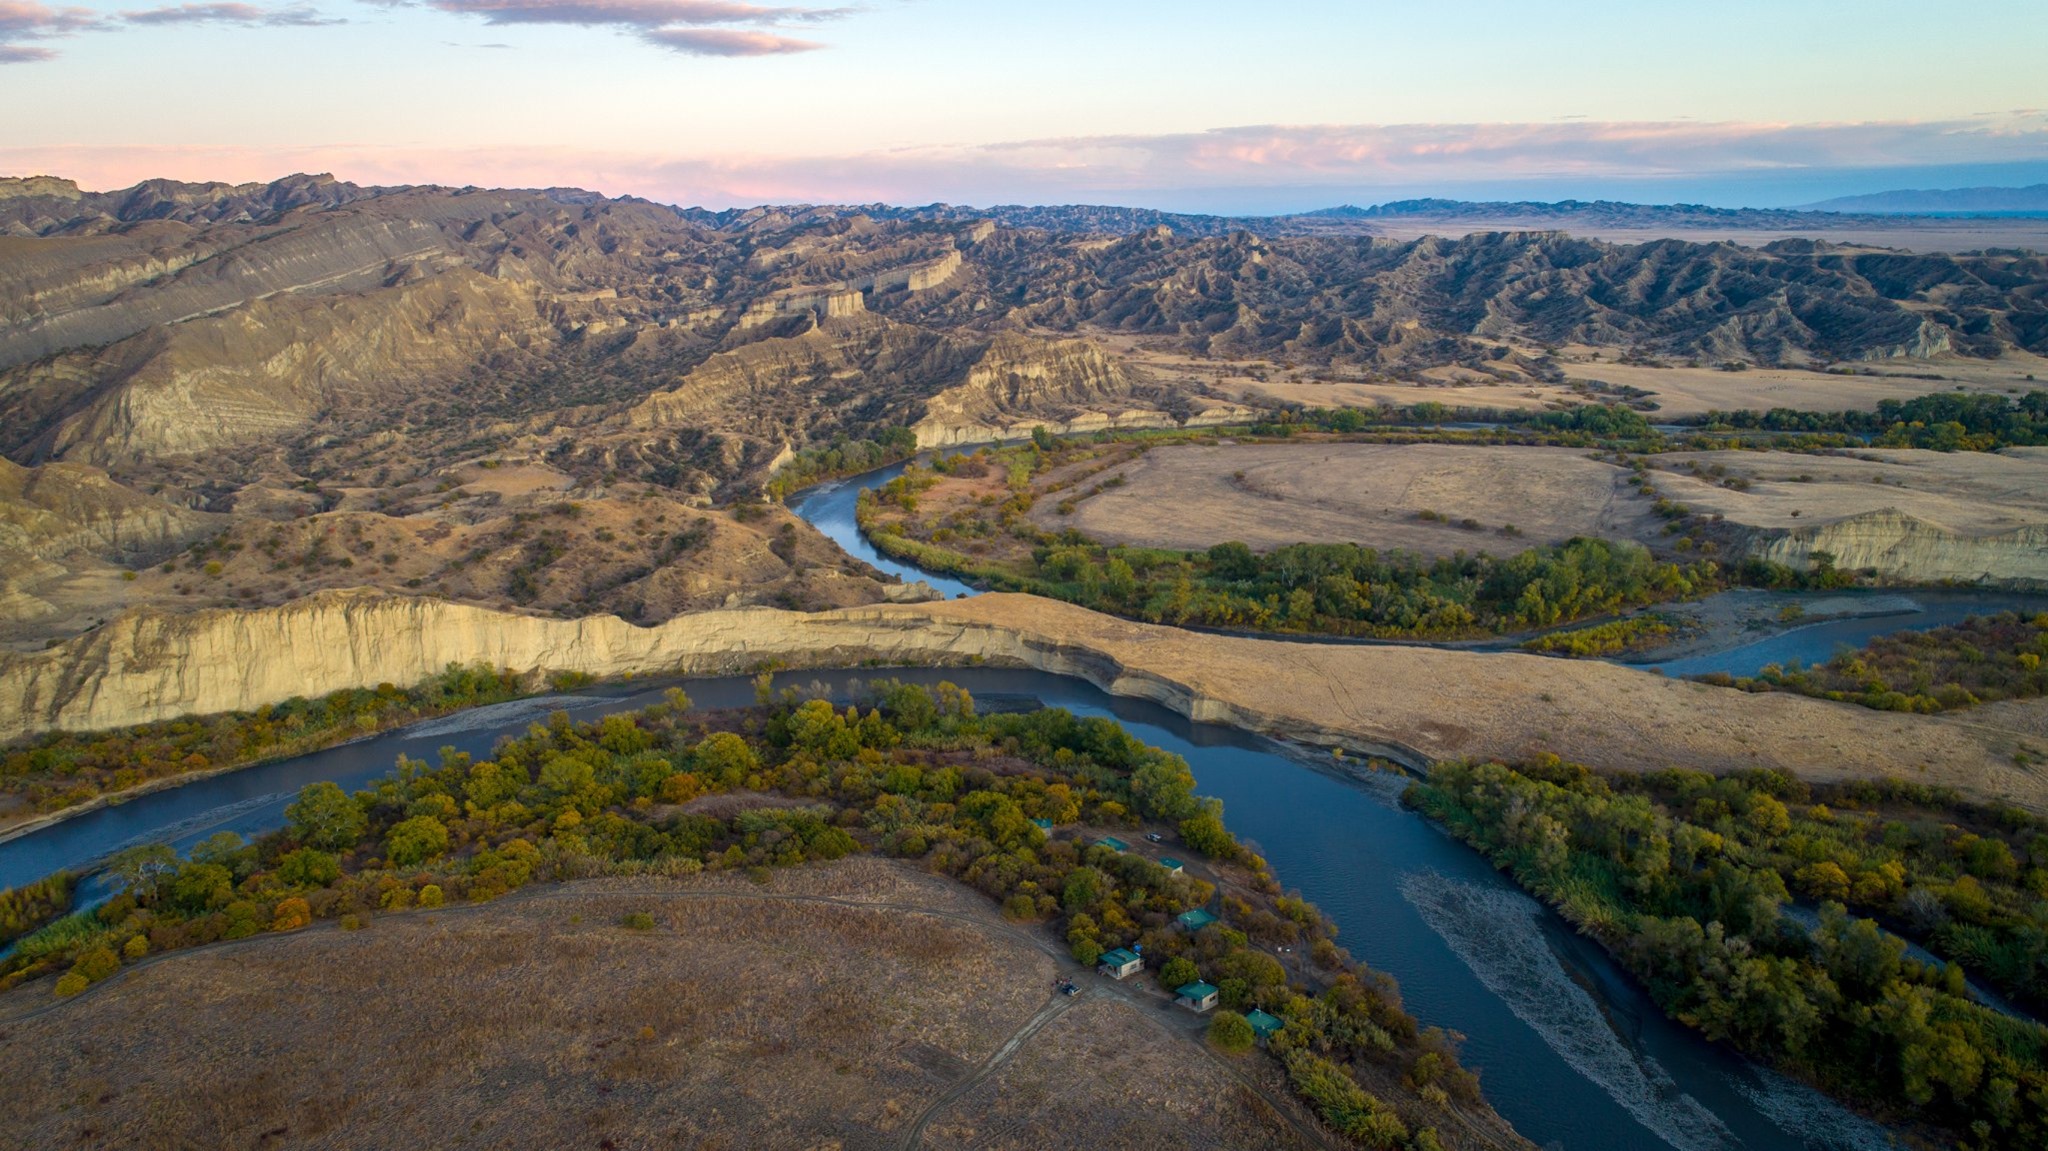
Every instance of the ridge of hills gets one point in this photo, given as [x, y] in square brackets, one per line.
[312, 351]
[47, 205]
[2033, 198]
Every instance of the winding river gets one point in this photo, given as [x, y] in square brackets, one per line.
[1569, 1049]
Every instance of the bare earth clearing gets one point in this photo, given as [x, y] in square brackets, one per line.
[783, 1014]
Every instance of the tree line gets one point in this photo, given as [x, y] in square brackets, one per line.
[61, 769]
[1941, 421]
[1983, 659]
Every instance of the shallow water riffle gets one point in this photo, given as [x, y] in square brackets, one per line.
[1820, 641]
[1569, 1050]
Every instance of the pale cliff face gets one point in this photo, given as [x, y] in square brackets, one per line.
[1907, 550]
[1412, 704]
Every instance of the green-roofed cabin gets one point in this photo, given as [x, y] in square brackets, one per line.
[1112, 843]
[1173, 866]
[1263, 1025]
[1197, 997]
[1120, 964]
[1044, 825]
[1193, 921]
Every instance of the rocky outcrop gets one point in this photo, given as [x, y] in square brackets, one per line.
[1905, 549]
[1412, 704]
[86, 295]
[1020, 382]
[772, 385]
[271, 367]
[56, 510]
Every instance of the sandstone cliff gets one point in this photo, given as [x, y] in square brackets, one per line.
[1905, 549]
[1413, 704]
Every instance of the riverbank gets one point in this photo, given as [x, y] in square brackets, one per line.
[1410, 705]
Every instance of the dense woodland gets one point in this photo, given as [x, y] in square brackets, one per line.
[906, 772]
[1939, 421]
[62, 769]
[24, 909]
[1942, 421]
[1980, 660]
[1687, 878]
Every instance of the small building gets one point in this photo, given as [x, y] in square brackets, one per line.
[1172, 866]
[1120, 964]
[1193, 921]
[1112, 843]
[1197, 997]
[1264, 1026]
[1044, 825]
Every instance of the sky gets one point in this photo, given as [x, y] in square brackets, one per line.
[1194, 105]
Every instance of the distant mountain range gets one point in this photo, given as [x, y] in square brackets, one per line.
[1940, 202]
[43, 206]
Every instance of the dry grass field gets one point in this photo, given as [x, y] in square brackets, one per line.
[1969, 493]
[1037, 1100]
[750, 1016]
[1677, 391]
[1270, 495]
[1435, 499]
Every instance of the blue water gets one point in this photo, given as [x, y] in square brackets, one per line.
[829, 507]
[1569, 1050]
[1819, 642]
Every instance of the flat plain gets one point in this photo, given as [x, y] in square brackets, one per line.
[1436, 499]
[858, 1005]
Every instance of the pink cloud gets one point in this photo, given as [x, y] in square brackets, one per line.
[27, 20]
[248, 15]
[631, 13]
[727, 42]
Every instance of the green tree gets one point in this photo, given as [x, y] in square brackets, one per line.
[725, 759]
[1231, 1032]
[142, 871]
[1178, 973]
[416, 840]
[1206, 834]
[1233, 562]
[325, 817]
[307, 867]
[1083, 888]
